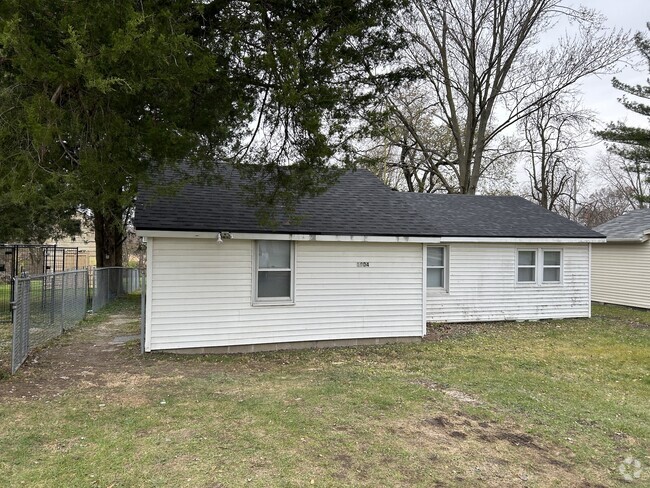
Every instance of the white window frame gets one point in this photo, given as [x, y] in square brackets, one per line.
[527, 266]
[543, 267]
[444, 267]
[539, 267]
[290, 300]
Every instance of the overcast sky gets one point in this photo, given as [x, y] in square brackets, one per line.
[598, 94]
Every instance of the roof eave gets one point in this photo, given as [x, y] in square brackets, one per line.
[366, 237]
[629, 240]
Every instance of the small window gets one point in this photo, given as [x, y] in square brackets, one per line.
[552, 267]
[436, 272]
[274, 273]
[526, 265]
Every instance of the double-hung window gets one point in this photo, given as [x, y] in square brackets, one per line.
[527, 266]
[549, 265]
[436, 267]
[273, 272]
[552, 264]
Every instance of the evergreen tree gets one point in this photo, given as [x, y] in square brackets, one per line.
[633, 143]
[97, 96]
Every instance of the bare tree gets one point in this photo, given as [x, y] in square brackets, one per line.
[426, 161]
[553, 139]
[626, 177]
[415, 163]
[603, 205]
[485, 71]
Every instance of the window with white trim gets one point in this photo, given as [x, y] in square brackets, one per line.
[436, 267]
[273, 271]
[526, 266]
[552, 267]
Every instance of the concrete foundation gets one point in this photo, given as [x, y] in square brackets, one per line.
[286, 346]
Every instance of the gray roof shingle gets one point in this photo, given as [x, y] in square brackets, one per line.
[633, 226]
[359, 204]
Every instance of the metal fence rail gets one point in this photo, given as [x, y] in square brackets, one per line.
[44, 307]
[110, 283]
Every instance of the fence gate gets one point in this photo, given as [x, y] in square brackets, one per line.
[20, 335]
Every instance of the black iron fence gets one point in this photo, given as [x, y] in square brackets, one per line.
[24, 260]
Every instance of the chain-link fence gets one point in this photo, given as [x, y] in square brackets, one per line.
[44, 307]
[110, 283]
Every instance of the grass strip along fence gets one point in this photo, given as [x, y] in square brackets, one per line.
[45, 306]
[110, 283]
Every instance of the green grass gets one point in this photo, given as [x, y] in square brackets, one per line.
[5, 299]
[556, 403]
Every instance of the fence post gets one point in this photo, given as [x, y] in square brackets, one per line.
[62, 303]
[93, 298]
[76, 282]
[86, 290]
[52, 284]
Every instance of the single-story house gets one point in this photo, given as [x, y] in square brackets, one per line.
[364, 264]
[621, 267]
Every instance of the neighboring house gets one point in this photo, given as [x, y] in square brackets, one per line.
[621, 267]
[365, 264]
[85, 243]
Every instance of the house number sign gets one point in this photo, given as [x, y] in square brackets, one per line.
[363, 264]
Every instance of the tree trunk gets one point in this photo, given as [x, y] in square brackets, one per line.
[109, 237]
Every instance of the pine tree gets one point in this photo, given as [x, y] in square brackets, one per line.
[633, 143]
[97, 96]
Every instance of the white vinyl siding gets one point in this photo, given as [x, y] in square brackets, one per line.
[483, 286]
[620, 274]
[201, 294]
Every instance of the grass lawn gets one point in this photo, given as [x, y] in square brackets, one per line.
[556, 403]
[5, 299]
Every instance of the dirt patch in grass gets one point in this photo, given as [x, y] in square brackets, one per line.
[89, 356]
[437, 332]
[501, 454]
[455, 394]
[78, 358]
[638, 325]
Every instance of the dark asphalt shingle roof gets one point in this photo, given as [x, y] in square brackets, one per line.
[634, 225]
[359, 204]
